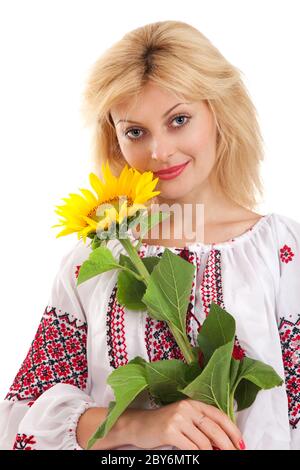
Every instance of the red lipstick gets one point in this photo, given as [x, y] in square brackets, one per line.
[172, 172]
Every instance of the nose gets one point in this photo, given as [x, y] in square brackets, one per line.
[161, 150]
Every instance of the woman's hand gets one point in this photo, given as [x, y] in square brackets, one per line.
[186, 424]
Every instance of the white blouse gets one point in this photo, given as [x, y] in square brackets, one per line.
[84, 334]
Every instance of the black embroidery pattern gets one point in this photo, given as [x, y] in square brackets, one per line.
[290, 344]
[57, 354]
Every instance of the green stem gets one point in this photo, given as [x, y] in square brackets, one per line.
[231, 408]
[140, 240]
[133, 273]
[133, 255]
[184, 347]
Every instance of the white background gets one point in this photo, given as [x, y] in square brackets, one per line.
[46, 49]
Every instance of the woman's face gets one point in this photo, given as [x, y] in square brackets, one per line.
[163, 135]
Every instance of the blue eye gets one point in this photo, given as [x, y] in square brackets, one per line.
[137, 137]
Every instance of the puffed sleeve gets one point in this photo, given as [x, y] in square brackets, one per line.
[288, 317]
[49, 392]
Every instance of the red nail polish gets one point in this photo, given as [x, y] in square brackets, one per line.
[242, 445]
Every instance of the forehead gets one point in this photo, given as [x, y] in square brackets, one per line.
[150, 94]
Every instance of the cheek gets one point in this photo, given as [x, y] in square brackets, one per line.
[201, 145]
[134, 156]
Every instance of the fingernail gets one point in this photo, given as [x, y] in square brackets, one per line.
[242, 445]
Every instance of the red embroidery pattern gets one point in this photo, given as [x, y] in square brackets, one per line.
[290, 345]
[286, 254]
[24, 442]
[115, 334]
[211, 285]
[211, 290]
[192, 322]
[238, 352]
[77, 271]
[160, 342]
[57, 354]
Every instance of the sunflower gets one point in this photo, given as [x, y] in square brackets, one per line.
[80, 213]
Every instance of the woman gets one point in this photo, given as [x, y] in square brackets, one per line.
[246, 262]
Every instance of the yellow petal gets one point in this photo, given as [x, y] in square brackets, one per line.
[89, 196]
[96, 184]
[67, 231]
[91, 222]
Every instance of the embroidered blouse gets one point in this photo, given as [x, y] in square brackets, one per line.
[84, 334]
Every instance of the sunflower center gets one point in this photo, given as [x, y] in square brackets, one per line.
[114, 202]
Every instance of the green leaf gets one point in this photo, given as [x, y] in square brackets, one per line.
[138, 360]
[91, 234]
[193, 370]
[253, 376]
[127, 383]
[169, 288]
[212, 386]
[97, 242]
[217, 329]
[149, 262]
[234, 370]
[99, 261]
[129, 289]
[125, 260]
[165, 377]
[245, 394]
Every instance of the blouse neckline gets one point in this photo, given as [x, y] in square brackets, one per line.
[226, 244]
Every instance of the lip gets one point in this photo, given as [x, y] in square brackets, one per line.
[171, 172]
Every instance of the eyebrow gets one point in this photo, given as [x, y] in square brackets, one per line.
[164, 115]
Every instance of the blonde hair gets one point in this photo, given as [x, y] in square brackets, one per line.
[178, 57]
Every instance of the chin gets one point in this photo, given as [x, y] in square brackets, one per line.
[172, 194]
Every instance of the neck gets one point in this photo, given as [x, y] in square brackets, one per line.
[213, 204]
